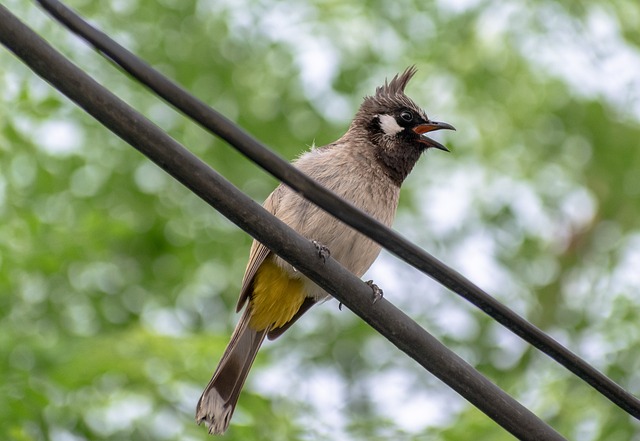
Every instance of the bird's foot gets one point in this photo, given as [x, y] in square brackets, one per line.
[323, 251]
[377, 292]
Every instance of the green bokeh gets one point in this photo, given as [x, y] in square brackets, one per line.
[118, 286]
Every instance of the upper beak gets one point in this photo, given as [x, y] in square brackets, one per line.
[431, 126]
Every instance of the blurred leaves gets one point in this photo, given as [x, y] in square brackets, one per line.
[118, 286]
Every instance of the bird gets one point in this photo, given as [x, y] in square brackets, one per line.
[366, 167]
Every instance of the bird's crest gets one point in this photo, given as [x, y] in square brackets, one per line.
[397, 84]
[388, 97]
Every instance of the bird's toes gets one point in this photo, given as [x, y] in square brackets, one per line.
[377, 291]
[323, 251]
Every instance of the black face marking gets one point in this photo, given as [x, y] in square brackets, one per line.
[408, 118]
[373, 127]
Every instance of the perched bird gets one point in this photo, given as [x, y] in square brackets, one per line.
[366, 166]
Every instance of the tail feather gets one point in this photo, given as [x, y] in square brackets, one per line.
[218, 401]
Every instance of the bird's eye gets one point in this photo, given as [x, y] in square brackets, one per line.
[407, 116]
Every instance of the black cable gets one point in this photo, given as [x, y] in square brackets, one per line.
[176, 160]
[389, 239]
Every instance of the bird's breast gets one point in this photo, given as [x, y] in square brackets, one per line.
[365, 188]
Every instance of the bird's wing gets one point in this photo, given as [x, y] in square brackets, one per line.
[258, 252]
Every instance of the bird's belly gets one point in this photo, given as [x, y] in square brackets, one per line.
[276, 297]
[353, 250]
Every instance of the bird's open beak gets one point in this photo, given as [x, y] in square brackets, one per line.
[431, 126]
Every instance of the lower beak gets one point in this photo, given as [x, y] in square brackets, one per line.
[431, 126]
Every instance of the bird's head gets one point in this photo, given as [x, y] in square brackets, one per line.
[396, 126]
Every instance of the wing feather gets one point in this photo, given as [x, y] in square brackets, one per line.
[258, 252]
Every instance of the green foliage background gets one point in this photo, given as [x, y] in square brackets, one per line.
[117, 286]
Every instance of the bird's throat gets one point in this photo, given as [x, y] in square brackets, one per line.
[398, 163]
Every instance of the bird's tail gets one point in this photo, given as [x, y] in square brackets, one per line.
[219, 398]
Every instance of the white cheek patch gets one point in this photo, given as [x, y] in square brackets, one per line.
[389, 125]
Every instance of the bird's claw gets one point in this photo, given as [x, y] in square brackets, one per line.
[377, 292]
[323, 251]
